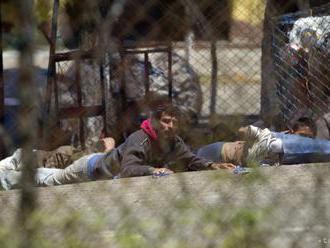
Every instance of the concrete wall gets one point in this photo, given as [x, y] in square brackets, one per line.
[277, 207]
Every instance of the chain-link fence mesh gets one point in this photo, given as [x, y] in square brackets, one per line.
[214, 64]
[301, 55]
[109, 58]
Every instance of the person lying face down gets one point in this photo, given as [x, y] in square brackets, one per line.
[264, 146]
[59, 158]
[155, 149]
[304, 127]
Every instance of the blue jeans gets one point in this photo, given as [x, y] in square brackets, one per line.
[298, 149]
[211, 151]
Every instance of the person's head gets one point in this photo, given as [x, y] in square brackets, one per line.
[164, 117]
[304, 126]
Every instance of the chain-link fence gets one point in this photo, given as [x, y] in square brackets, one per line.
[205, 55]
[107, 60]
[301, 53]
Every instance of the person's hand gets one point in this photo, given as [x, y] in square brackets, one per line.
[219, 166]
[158, 172]
[243, 132]
[108, 144]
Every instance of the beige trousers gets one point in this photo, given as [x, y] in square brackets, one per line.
[74, 173]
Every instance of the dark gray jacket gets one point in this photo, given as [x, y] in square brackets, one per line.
[139, 155]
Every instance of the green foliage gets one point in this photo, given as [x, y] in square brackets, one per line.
[245, 231]
[6, 237]
[43, 10]
[54, 230]
[127, 240]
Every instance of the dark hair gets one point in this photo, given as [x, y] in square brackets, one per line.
[304, 121]
[163, 105]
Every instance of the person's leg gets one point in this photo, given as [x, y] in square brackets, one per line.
[294, 149]
[74, 173]
[299, 149]
[13, 162]
[211, 151]
[11, 179]
[43, 159]
[43, 173]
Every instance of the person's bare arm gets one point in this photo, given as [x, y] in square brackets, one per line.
[161, 171]
[219, 166]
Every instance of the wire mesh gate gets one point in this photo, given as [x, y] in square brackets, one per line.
[214, 67]
[301, 54]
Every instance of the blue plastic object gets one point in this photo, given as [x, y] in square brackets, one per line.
[241, 170]
[160, 174]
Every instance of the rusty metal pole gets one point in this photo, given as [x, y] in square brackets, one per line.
[27, 126]
[51, 63]
[50, 117]
[170, 76]
[214, 77]
[146, 74]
